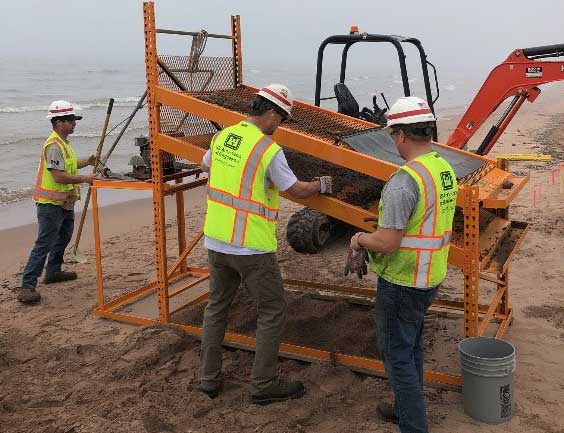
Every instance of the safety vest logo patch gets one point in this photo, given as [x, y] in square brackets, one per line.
[233, 141]
[446, 180]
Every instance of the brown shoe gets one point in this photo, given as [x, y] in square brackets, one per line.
[387, 413]
[280, 390]
[59, 277]
[28, 296]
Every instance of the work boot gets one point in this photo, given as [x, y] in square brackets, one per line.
[280, 390]
[212, 392]
[59, 277]
[387, 413]
[28, 295]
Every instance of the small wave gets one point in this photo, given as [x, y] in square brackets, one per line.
[8, 196]
[103, 71]
[40, 139]
[128, 101]
[22, 109]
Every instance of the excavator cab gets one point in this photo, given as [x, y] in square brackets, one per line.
[309, 230]
[346, 102]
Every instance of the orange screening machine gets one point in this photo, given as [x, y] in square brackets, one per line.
[190, 99]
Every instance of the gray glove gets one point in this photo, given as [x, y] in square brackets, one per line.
[326, 184]
[356, 263]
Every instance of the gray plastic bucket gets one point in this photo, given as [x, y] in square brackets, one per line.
[487, 378]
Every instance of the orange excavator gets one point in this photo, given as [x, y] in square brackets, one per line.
[519, 77]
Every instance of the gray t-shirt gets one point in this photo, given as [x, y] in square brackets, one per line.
[399, 200]
[54, 161]
[281, 175]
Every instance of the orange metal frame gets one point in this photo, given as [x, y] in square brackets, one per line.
[477, 317]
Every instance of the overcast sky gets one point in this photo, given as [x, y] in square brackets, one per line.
[457, 35]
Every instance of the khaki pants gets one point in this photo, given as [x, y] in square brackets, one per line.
[261, 275]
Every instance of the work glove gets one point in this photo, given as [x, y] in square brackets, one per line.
[326, 184]
[356, 262]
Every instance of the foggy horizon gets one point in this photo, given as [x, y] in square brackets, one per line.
[458, 37]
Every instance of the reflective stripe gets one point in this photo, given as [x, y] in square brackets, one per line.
[53, 195]
[251, 166]
[59, 143]
[424, 256]
[425, 242]
[238, 236]
[276, 95]
[242, 205]
[423, 268]
[50, 195]
[409, 113]
[430, 218]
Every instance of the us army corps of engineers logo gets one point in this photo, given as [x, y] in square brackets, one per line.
[446, 180]
[233, 141]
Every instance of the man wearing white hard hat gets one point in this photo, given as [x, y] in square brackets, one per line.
[247, 170]
[409, 252]
[56, 189]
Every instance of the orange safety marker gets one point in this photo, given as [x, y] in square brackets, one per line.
[562, 178]
[553, 176]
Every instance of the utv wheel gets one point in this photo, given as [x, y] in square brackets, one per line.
[309, 230]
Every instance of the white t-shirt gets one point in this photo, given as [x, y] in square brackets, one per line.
[281, 175]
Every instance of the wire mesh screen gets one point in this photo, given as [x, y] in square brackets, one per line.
[204, 74]
[308, 121]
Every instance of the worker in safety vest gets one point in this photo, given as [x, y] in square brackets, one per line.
[409, 252]
[247, 170]
[55, 191]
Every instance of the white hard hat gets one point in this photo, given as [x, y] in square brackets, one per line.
[279, 95]
[410, 109]
[61, 108]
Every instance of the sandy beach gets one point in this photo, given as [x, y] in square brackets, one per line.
[63, 370]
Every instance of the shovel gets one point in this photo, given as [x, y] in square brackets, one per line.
[76, 256]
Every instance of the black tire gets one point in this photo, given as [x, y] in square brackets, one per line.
[308, 231]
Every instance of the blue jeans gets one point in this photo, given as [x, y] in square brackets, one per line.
[400, 312]
[55, 227]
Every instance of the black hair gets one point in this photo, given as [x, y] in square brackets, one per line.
[54, 120]
[422, 131]
[261, 105]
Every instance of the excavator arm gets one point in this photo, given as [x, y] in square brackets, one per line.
[518, 76]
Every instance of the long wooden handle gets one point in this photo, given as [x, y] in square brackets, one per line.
[94, 171]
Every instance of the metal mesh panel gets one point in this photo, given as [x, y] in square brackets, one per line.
[208, 74]
[308, 121]
[177, 123]
[205, 75]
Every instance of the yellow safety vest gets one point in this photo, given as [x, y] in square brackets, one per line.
[241, 211]
[421, 260]
[46, 190]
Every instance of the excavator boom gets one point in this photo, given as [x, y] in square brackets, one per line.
[518, 76]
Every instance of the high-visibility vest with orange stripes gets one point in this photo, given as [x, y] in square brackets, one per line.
[241, 211]
[421, 260]
[46, 190]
